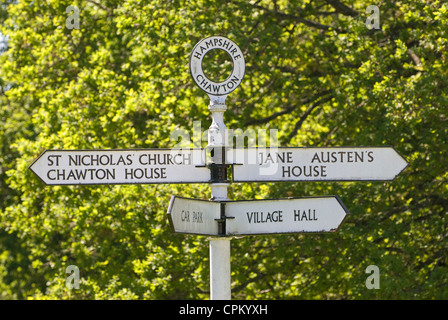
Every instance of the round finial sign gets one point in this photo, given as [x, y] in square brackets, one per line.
[209, 86]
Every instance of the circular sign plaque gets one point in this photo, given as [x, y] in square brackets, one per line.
[209, 86]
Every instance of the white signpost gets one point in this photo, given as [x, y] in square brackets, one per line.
[220, 218]
[315, 164]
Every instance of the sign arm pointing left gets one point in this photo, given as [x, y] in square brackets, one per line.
[132, 166]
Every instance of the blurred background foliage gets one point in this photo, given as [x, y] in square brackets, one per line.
[314, 71]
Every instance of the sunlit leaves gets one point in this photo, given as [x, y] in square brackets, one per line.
[122, 81]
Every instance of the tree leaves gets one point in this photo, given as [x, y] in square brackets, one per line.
[314, 71]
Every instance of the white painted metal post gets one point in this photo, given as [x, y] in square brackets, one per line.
[219, 246]
[220, 269]
[220, 255]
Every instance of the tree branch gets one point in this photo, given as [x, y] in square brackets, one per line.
[286, 110]
[414, 57]
[305, 115]
[109, 11]
[342, 8]
[271, 117]
[289, 16]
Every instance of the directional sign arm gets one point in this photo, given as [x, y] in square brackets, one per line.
[311, 214]
[315, 164]
[229, 218]
[193, 216]
[132, 166]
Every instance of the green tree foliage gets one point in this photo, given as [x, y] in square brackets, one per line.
[314, 71]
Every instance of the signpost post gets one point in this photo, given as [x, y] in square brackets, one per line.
[219, 218]
[217, 143]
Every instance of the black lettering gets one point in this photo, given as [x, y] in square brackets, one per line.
[94, 159]
[104, 162]
[359, 156]
[224, 87]
[328, 157]
[333, 157]
[152, 159]
[323, 171]
[170, 159]
[185, 215]
[52, 161]
[296, 215]
[315, 158]
[71, 175]
[82, 160]
[303, 216]
[294, 172]
[48, 174]
[306, 171]
[100, 176]
[281, 157]
[226, 44]
[81, 174]
[140, 159]
[186, 158]
[129, 174]
[286, 170]
[309, 174]
[61, 174]
[197, 217]
[197, 55]
[349, 156]
[91, 173]
[75, 160]
[289, 157]
[175, 159]
[138, 173]
[203, 81]
[121, 160]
